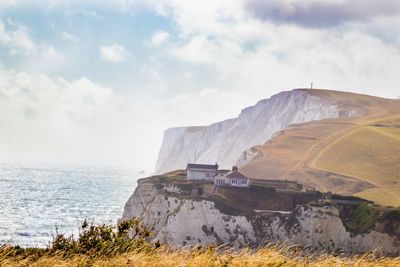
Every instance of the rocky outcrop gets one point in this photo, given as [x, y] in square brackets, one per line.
[223, 142]
[247, 156]
[180, 220]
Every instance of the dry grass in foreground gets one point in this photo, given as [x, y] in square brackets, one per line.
[106, 245]
[271, 256]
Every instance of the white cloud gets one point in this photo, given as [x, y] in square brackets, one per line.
[18, 39]
[66, 36]
[159, 38]
[240, 57]
[211, 105]
[262, 58]
[198, 50]
[113, 53]
[8, 3]
[188, 75]
[82, 12]
[155, 81]
[47, 110]
[52, 119]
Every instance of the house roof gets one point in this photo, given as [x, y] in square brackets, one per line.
[236, 175]
[202, 166]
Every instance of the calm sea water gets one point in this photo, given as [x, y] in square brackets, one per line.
[34, 200]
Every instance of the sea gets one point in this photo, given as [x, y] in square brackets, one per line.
[37, 201]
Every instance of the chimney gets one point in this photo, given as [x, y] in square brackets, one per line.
[234, 168]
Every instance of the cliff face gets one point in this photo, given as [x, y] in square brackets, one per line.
[184, 220]
[223, 142]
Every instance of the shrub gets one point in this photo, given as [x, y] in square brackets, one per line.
[93, 241]
[362, 218]
[103, 240]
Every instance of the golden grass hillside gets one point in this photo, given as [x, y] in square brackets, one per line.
[357, 155]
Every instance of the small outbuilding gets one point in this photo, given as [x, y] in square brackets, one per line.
[201, 171]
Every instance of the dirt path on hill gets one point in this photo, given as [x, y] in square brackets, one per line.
[302, 164]
[318, 149]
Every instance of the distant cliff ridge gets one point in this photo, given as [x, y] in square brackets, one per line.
[225, 141]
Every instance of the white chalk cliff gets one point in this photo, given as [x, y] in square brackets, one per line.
[224, 142]
[179, 220]
[170, 207]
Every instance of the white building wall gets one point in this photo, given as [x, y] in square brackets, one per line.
[238, 182]
[220, 180]
[225, 181]
[200, 175]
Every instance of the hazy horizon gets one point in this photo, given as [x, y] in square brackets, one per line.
[98, 82]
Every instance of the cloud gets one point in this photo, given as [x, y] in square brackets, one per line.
[7, 3]
[113, 53]
[199, 49]
[59, 120]
[208, 101]
[155, 81]
[219, 57]
[18, 39]
[66, 36]
[82, 12]
[52, 110]
[159, 38]
[322, 13]
[226, 46]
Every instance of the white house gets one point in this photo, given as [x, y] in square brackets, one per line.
[201, 171]
[232, 178]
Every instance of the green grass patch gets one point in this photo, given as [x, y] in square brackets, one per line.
[164, 179]
[361, 218]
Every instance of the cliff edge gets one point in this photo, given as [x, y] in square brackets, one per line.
[182, 213]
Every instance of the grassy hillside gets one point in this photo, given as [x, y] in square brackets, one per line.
[359, 155]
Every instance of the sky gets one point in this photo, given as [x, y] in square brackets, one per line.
[98, 81]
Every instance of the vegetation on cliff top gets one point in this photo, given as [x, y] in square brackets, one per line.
[357, 218]
[361, 218]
